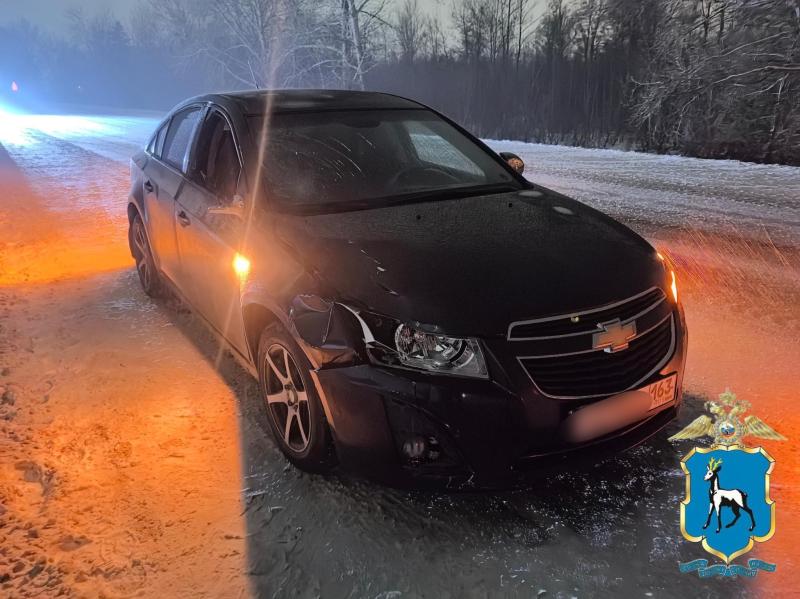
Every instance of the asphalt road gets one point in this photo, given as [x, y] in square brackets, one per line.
[134, 457]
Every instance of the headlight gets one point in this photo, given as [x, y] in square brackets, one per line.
[673, 286]
[391, 343]
[672, 282]
[439, 353]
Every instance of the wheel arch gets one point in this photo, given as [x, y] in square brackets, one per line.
[133, 211]
[324, 330]
[256, 317]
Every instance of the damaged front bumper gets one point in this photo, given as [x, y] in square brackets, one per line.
[477, 439]
[375, 411]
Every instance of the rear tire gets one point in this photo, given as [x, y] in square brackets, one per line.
[149, 277]
[293, 408]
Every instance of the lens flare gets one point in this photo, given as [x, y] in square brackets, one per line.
[14, 87]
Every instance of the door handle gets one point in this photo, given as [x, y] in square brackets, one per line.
[183, 219]
[148, 186]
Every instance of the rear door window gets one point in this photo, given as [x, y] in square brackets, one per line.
[179, 137]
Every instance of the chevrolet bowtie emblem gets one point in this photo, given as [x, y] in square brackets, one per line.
[613, 336]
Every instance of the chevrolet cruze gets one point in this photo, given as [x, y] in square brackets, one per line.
[414, 309]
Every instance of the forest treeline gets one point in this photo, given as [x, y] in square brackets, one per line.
[709, 78]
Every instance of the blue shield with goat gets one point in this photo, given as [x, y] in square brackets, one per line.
[727, 504]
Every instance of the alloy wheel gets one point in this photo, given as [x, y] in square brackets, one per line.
[287, 398]
[142, 254]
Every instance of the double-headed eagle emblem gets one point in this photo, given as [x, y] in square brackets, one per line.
[726, 427]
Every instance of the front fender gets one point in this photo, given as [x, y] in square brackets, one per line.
[326, 330]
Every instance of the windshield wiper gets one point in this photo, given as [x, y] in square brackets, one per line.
[408, 198]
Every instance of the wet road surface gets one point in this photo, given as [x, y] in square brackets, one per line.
[136, 450]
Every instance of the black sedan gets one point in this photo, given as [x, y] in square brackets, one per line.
[414, 308]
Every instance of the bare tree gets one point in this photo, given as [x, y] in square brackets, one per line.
[555, 32]
[715, 99]
[247, 42]
[523, 26]
[411, 29]
[434, 38]
[360, 20]
[591, 27]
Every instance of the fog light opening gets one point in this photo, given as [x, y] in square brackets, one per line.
[421, 449]
[414, 448]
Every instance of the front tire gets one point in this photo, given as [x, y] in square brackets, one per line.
[294, 410]
[149, 277]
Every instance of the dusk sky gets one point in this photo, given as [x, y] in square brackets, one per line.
[51, 14]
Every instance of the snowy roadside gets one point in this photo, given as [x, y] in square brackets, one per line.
[112, 476]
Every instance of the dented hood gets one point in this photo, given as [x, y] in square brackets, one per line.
[473, 265]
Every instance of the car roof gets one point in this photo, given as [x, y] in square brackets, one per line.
[259, 102]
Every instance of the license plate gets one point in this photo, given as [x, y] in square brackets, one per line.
[662, 392]
[618, 411]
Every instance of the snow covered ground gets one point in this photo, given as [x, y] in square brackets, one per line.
[134, 457]
[671, 191]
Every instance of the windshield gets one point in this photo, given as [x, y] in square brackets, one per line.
[363, 158]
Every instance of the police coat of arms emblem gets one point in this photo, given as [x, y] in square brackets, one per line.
[727, 505]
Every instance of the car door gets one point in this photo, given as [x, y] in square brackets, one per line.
[163, 183]
[209, 218]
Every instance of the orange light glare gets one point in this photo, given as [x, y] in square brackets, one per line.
[674, 286]
[241, 266]
[660, 257]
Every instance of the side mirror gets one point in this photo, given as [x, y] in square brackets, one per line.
[234, 208]
[513, 161]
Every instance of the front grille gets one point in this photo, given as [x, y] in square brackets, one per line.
[556, 326]
[598, 373]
